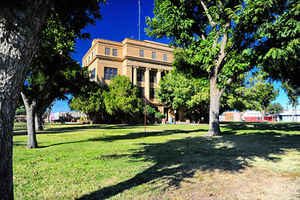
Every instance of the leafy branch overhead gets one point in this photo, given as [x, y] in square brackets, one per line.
[221, 40]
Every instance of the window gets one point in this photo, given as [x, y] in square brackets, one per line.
[153, 55]
[93, 73]
[110, 73]
[140, 74]
[152, 93]
[115, 52]
[152, 76]
[107, 51]
[141, 52]
[165, 57]
[141, 92]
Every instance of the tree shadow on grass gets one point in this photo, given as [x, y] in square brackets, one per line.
[71, 128]
[262, 126]
[137, 135]
[178, 159]
[129, 136]
[95, 126]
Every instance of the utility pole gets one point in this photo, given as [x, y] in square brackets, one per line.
[139, 21]
[145, 115]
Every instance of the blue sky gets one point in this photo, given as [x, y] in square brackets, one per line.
[119, 20]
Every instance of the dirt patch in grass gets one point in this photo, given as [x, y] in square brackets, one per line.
[248, 184]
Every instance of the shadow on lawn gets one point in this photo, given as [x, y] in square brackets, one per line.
[136, 135]
[71, 128]
[83, 127]
[133, 135]
[262, 126]
[178, 159]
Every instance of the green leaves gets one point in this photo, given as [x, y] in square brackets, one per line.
[122, 96]
[274, 109]
[90, 102]
[255, 94]
[177, 90]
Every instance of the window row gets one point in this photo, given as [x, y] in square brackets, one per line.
[153, 75]
[89, 58]
[165, 56]
[114, 51]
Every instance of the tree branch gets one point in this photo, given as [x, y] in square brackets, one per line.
[216, 40]
[228, 82]
[211, 22]
[223, 46]
[25, 100]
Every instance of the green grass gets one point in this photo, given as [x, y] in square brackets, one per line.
[18, 126]
[123, 162]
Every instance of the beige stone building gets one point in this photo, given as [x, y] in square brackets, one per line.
[144, 62]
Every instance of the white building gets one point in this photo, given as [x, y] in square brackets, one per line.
[289, 116]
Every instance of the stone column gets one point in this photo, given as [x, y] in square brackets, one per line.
[134, 75]
[147, 83]
[158, 76]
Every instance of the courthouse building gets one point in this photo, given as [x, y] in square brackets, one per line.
[143, 62]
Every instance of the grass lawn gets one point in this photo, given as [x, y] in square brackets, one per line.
[250, 161]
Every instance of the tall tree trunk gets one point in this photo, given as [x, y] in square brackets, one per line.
[38, 119]
[19, 27]
[36, 122]
[214, 108]
[7, 115]
[30, 107]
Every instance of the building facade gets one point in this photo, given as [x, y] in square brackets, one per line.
[143, 62]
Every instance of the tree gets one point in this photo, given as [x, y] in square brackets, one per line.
[117, 102]
[274, 109]
[90, 101]
[53, 74]
[293, 95]
[261, 92]
[282, 58]
[221, 38]
[122, 97]
[178, 90]
[20, 25]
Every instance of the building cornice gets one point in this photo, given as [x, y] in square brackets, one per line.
[166, 49]
[112, 58]
[143, 59]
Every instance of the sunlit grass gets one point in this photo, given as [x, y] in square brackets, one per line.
[124, 162]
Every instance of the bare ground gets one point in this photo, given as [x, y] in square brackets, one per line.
[247, 184]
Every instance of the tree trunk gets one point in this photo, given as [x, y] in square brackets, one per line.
[214, 108]
[38, 119]
[36, 122]
[263, 115]
[19, 27]
[7, 115]
[30, 116]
